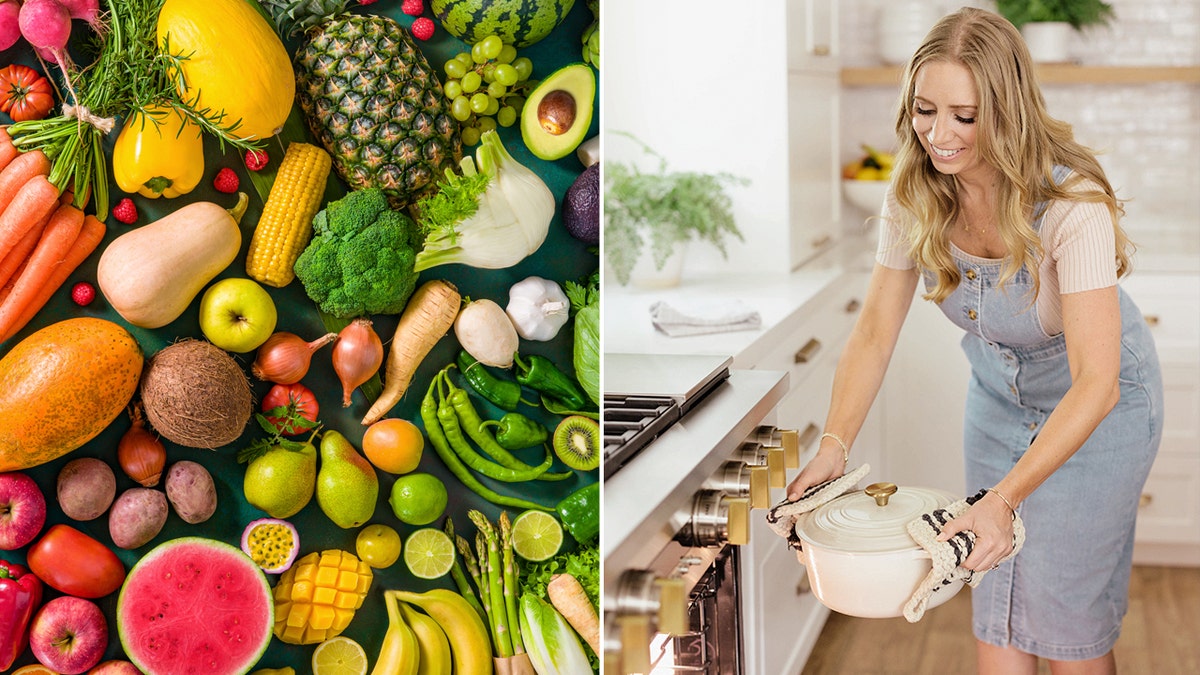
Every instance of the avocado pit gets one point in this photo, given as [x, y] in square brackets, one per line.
[556, 112]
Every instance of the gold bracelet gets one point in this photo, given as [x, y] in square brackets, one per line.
[1005, 500]
[840, 442]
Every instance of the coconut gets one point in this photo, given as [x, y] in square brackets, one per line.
[195, 394]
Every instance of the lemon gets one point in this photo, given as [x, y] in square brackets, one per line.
[536, 535]
[339, 656]
[418, 498]
[429, 553]
[378, 545]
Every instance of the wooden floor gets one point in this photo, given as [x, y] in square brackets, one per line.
[1160, 635]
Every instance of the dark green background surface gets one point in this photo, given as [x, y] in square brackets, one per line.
[560, 258]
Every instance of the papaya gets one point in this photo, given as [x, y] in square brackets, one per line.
[61, 386]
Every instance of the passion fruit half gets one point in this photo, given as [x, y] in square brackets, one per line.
[271, 543]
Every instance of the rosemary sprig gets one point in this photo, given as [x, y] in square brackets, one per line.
[129, 74]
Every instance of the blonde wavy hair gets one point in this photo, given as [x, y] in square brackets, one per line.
[1015, 136]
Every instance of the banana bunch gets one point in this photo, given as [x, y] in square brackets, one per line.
[448, 636]
[874, 165]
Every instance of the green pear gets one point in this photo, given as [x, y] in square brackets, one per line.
[347, 487]
[281, 480]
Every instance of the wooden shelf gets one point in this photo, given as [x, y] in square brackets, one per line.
[878, 76]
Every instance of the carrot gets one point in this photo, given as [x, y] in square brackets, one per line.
[427, 317]
[33, 204]
[569, 598]
[11, 262]
[18, 172]
[7, 150]
[51, 251]
[90, 236]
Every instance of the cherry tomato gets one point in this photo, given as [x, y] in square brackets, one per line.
[290, 402]
[72, 562]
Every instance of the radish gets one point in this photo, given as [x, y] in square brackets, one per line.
[9, 32]
[46, 24]
[85, 10]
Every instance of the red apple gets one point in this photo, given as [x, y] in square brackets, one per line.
[22, 510]
[68, 635]
[115, 668]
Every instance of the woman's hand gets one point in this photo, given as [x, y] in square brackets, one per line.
[826, 465]
[992, 522]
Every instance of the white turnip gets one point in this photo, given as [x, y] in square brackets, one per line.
[10, 32]
[46, 24]
[486, 332]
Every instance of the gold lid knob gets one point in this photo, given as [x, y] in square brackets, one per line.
[880, 492]
[760, 487]
[672, 606]
[635, 643]
[738, 519]
[790, 438]
[775, 467]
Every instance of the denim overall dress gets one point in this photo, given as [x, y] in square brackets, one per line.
[1064, 595]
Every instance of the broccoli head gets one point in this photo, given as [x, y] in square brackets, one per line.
[360, 260]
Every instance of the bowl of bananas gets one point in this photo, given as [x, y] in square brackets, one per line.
[865, 180]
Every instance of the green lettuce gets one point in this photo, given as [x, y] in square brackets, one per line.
[585, 304]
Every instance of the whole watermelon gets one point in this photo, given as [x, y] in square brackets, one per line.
[516, 22]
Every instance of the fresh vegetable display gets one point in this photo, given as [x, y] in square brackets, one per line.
[329, 390]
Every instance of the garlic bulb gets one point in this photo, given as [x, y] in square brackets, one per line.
[538, 308]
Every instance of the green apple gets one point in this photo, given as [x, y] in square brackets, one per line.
[237, 314]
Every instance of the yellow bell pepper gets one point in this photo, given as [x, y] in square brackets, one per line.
[159, 153]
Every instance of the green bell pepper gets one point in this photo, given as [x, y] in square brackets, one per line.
[515, 431]
[540, 373]
[580, 513]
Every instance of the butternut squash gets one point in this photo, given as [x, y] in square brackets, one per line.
[235, 62]
[63, 385]
[151, 274]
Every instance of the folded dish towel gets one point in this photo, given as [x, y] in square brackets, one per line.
[782, 517]
[949, 555]
[699, 318]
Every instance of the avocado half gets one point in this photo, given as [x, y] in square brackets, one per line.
[558, 111]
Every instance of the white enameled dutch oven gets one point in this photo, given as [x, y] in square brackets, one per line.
[859, 556]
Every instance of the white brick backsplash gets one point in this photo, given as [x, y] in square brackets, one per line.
[1148, 136]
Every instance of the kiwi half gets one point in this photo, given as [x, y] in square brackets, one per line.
[577, 442]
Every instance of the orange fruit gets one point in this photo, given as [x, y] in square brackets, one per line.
[34, 669]
[393, 445]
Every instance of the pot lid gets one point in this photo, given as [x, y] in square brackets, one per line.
[873, 520]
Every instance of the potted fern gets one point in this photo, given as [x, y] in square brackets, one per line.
[650, 217]
[1046, 25]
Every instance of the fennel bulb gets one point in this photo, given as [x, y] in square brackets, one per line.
[492, 216]
[552, 644]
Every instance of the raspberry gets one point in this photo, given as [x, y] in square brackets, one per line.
[226, 180]
[413, 7]
[256, 159]
[422, 28]
[83, 293]
[125, 211]
[367, 2]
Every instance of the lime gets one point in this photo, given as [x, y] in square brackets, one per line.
[418, 498]
[429, 553]
[339, 656]
[378, 545]
[536, 535]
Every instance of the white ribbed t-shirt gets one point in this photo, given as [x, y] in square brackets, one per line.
[1078, 243]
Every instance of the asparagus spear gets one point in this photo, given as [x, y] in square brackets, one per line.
[511, 584]
[488, 548]
[456, 571]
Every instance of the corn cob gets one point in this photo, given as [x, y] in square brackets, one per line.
[286, 223]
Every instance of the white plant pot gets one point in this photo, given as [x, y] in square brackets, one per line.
[646, 274]
[1048, 41]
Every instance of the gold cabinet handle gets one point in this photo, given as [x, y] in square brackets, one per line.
[1152, 320]
[809, 351]
[821, 50]
[822, 241]
[853, 306]
[810, 435]
[1145, 500]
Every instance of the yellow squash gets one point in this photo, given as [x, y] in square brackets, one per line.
[61, 386]
[235, 62]
[159, 153]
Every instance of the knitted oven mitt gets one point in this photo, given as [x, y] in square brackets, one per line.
[782, 517]
[948, 555]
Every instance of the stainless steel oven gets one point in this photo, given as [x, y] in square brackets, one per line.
[677, 506]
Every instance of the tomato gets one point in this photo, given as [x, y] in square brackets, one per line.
[24, 94]
[290, 402]
[74, 563]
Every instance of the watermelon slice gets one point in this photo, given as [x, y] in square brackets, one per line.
[195, 605]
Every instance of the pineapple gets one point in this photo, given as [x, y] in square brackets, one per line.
[371, 97]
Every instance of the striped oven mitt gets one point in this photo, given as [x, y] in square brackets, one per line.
[948, 555]
[782, 517]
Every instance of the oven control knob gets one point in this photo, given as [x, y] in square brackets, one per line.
[634, 630]
[788, 439]
[672, 606]
[716, 519]
[738, 479]
[776, 469]
[754, 454]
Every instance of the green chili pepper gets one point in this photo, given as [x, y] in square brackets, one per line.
[580, 513]
[540, 373]
[472, 423]
[441, 445]
[505, 394]
[453, 430]
[515, 431]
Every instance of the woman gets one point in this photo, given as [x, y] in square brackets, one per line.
[1013, 228]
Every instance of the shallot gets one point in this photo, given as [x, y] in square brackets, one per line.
[140, 453]
[285, 357]
[357, 356]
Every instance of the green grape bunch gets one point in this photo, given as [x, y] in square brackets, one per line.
[487, 86]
